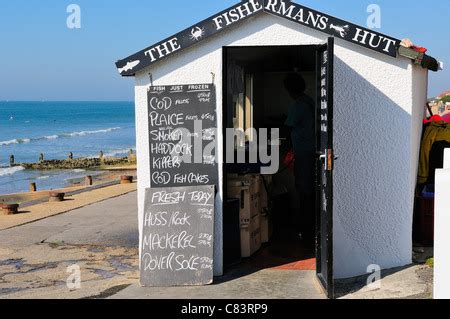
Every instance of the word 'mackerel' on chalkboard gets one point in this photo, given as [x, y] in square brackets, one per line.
[183, 130]
[177, 237]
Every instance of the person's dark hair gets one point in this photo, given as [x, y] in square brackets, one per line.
[295, 84]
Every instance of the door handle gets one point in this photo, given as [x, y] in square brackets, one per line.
[324, 157]
[328, 158]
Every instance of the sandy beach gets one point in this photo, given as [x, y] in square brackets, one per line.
[109, 171]
[106, 184]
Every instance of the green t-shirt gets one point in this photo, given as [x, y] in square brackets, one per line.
[301, 119]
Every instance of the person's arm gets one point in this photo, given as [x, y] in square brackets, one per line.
[289, 124]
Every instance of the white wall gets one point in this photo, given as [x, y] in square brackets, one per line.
[374, 138]
[441, 234]
[379, 103]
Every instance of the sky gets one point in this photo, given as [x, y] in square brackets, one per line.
[42, 59]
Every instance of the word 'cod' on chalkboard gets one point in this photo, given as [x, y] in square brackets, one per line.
[183, 130]
[177, 238]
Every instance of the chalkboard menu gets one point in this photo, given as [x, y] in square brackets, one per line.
[177, 237]
[183, 130]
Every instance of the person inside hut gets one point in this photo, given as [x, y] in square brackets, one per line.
[300, 120]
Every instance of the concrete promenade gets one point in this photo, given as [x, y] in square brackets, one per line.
[100, 238]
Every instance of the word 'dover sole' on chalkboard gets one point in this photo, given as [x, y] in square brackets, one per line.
[182, 132]
[177, 237]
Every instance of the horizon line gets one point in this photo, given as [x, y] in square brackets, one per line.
[66, 101]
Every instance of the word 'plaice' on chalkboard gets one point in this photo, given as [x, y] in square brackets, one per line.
[182, 135]
[177, 237]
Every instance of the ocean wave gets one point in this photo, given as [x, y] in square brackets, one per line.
[83, 133]
[56, 136]
[5, 171]
[15, 141]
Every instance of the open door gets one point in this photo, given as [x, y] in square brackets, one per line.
[324, 166]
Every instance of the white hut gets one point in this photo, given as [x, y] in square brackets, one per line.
[370, 103]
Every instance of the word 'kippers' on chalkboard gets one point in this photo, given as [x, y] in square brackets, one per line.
[177, 237]
[183, 130]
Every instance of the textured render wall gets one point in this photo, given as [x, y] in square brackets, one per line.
[373, 108]
[379, 105]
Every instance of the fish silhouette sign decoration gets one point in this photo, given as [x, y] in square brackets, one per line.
[245, 9]
[129, 66]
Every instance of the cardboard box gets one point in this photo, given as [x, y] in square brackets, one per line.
[251, 237]
[241, 192]
[264, 183]
[246, 190]
[266, 228]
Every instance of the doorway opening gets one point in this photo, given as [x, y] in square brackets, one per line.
[270, 220]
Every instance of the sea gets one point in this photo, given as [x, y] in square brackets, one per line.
[55, 129]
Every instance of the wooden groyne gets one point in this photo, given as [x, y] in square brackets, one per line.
[77, 163]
